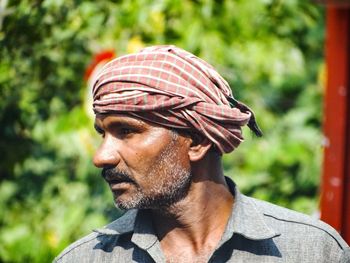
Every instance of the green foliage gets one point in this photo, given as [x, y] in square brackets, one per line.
[50, 194]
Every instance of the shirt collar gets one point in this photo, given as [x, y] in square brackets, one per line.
[122, 225]
[144, 236]
[245, 220]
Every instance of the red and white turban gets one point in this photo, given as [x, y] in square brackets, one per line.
[172, 87]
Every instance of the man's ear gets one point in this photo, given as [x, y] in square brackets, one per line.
[199, 147]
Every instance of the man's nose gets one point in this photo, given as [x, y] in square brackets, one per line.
[107, 154]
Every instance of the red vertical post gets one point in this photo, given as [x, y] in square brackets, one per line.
[335, 194]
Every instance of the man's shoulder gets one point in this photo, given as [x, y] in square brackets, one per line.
[85, 243]
[99, 239]
[295, 224]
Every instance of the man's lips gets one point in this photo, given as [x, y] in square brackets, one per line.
[115, 178]
[117, 183]
[118, 180]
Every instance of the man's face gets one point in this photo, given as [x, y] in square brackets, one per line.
[146, 165]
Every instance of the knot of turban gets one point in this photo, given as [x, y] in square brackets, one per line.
[172, 87]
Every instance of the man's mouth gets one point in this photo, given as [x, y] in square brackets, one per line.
[119, 181]
[119, 186]
[115, 177]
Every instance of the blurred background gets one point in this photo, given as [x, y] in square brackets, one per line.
[270, 51]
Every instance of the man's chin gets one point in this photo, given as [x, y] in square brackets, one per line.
[144, 203]
[121, 206]
[125, 203]
[132, 204]
[130, 199]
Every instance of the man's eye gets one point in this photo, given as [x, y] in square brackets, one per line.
[125, 131]
[100, 131]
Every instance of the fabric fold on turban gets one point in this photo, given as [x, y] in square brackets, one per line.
[172, 87]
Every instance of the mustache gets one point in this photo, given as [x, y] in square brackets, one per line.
[116, 176]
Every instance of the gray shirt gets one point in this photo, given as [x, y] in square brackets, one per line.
[257, 231]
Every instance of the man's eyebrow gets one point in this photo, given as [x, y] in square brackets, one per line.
[120, 122]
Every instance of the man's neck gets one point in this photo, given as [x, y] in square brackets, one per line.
[192, 228]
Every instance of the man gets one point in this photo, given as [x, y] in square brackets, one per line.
[166, 117]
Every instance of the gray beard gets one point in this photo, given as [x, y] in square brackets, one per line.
[166, 191]
[165, 197]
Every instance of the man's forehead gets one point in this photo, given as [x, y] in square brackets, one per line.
[106, 119]
[117, 117]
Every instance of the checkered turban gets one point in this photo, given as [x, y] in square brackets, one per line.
[172, 87]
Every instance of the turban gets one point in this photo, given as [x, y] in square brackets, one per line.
[172, 87]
